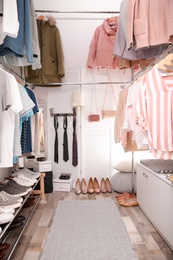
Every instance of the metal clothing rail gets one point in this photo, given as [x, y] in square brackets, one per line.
[78, 12]
[78, 83]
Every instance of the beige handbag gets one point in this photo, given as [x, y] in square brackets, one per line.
[107, 114]
[93, 117]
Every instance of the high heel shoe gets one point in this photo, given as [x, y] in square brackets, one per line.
[103, 185]
[96, 186]
[77, 187]
[83, 186]
[90, 186]
[108, 186]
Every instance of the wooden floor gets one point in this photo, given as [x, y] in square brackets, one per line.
[148, 243]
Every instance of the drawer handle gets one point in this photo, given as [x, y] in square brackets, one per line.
[145, 175]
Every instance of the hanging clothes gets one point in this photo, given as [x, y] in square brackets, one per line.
[51, 52]
[12, 105]
[23, 61]
[101, 47]
[23, 42]
[35, 109]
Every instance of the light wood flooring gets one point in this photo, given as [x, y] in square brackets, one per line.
[148, 243]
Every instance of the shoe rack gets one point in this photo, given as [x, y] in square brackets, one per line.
[13, 236]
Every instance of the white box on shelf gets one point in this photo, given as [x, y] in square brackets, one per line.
[62, 185]
[44, 166]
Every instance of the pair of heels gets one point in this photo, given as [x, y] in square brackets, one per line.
[105, 186]
[80, 187]
[127, 199]
[93, 186]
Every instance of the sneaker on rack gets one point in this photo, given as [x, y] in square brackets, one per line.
[12, 190]
[31, 173]
[4, 202]
[23, 177]
[7, 210]
[23, 182]
[9, 196]
[6, 217]
[18, 186]
[28, 173]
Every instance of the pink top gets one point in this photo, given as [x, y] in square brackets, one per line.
[154, 113]
[150, 22]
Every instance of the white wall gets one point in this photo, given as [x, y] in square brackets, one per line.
[97, 150]
[76, 5]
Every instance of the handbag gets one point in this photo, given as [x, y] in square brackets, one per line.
[107, 114]
[93, 117]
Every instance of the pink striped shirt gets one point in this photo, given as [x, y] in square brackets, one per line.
[155, 113]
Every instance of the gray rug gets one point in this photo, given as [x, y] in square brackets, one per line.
[88, 230]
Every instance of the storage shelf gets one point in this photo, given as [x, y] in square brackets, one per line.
[15, 235]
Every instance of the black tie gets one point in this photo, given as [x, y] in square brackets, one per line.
[65, 141]
[75, 152]
[56, 124]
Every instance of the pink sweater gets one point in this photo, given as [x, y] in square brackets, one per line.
[150, 22]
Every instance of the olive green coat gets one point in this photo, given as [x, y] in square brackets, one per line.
[51, 53]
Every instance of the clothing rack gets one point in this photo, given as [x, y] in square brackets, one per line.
[62, 114]
[77, 12]
[133, 78]
[79, 83]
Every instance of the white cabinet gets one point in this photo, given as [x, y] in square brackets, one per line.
[155, 198]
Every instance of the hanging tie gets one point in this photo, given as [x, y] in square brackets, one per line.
[56, 124]
[75, 151]
[65, 140]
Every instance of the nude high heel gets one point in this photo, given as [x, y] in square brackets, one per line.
[96, 186]
[103, 185]
[90, 186]
[83, 186]
[78, 187]
[108, 186]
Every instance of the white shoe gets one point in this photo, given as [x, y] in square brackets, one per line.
[7, 210]
[4, 202]
[28, 173]
[31, 173]
[26, 183]
[24, 177]
[11, 197]
[6, 217]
